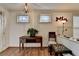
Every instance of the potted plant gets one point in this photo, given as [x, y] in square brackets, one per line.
[32, 32]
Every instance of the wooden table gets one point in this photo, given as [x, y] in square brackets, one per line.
[28, 39]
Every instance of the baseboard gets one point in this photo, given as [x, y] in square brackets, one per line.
[4, 49]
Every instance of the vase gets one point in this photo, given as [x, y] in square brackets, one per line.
[32, 35]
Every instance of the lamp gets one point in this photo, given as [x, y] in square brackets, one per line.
[26, 8]
[63, 20]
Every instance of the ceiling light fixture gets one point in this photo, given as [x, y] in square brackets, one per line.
[26, 8]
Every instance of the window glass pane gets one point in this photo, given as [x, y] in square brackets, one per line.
[45, 19]
[23, 19]
[76, 26]
[75, 21]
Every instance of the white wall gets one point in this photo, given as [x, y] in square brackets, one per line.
[4, 39]
[72, 45]
[19, 29]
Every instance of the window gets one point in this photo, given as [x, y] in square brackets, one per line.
[23, 18]
[76, 26]
[45, 18]
[75, 21]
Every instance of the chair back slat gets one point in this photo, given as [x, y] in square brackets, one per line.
[52, 35]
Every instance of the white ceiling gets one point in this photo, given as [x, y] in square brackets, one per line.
[42, 6]
[13, 6]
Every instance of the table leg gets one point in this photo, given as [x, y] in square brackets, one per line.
[41, 44]
[50, 53]
[56, 54]
[22, 45]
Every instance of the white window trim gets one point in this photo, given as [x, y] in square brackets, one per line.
[22, 22]
[50, 20]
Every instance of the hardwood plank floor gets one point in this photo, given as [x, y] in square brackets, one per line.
[26, 52]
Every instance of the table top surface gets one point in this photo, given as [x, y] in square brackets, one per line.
[25, 37]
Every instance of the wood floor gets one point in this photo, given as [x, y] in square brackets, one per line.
[26, 52]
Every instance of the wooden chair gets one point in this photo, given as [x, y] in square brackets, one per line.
[52, 35]
[51, 40]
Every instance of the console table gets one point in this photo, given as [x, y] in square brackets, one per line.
[28, 39]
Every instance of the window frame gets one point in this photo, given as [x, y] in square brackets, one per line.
[17, 20]
[50, 19]
[75, 28]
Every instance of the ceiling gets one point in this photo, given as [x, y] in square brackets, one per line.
[42, 6]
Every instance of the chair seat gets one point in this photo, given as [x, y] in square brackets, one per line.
[51, 42]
